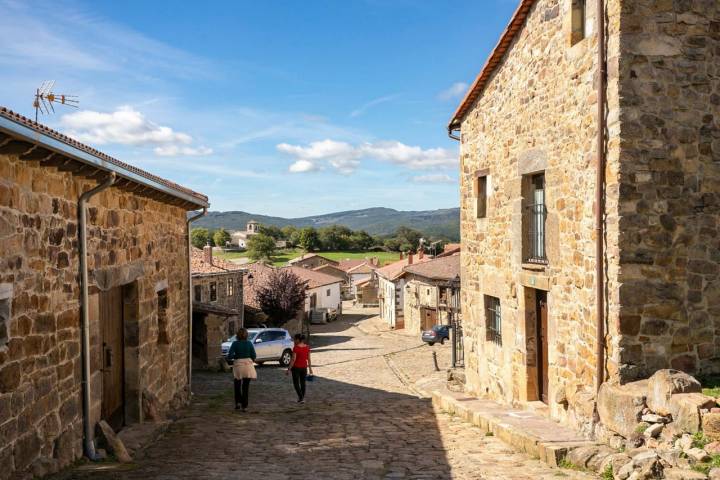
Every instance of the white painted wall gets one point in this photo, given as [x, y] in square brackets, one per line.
[393, 299]
[332, 301]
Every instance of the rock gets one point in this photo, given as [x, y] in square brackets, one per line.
[112, 441]
[685, 442]
[670, 458]
[44, 466]
[616, 442]
[714, 474]
[644, 458]
[620, 406]
[616, 461]
[682, 474]
[713, 448]
[654, 418]
[650, 470]
[711, 426]
[151, 407]
[697, 454]
[653, 431]
[685, 409]
[580, 457]
[595, 462]
[625, 471]
[665, 383]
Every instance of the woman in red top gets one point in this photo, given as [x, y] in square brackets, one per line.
[300, 365]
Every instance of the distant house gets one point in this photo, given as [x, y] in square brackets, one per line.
[240, 238]
[311, 261]
[335, 271]
[217, 289]
[323, 294]
[358, 270]
[428, 292]
[391, 289]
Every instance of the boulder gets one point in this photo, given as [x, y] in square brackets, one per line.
[112, 441]
[685, 410]
[596, 461]
[713, 448]
[151, 407]
[670, 458]
[697, 454]
[654, 430]
[654, 418]
[711, 426]
[644, 458]
[620, 406]
[685, 442]
[581, 456]
[616, 461]
[682, 474]
[665, 383]
[714, 474]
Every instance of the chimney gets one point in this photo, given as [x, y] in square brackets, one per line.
[421, 253]
[207, 253]
[410, 258]
[402, 255]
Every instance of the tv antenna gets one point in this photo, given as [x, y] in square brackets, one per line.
[44, 99]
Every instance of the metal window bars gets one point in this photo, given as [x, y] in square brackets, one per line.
[493, 320]
[535, 216]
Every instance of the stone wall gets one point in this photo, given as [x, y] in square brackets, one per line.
[132, 241]
[224, 297]
[538, 114]
[670, 187]
[419, 294]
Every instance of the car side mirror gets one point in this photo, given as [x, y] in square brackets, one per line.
[258, 340]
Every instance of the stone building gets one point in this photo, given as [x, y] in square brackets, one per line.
[428, 291]
[239, 238]
[539, 201]
[217, 289]
[132, 310]
[391, 290]
[311, 260]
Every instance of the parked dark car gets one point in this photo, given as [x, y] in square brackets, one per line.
[438, 333]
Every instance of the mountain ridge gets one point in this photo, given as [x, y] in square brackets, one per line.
[443, 222]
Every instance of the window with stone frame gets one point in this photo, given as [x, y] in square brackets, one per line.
[4, 322]
[163, 337]
[493, 320]
[481, 196]
[534, 216]
[213, 291]
[198, 293]
[230, 287]
[578, 21]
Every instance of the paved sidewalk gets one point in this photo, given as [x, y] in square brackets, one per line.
[361, 421]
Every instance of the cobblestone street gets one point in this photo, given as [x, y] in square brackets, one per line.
[362, 419]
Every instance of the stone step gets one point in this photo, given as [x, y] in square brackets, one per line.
[526, 431]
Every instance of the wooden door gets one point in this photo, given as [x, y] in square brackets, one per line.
[111, 325]
[542, 316]
[429, 318]
[313, 301]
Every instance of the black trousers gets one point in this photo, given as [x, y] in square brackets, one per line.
[299, 375]
[242, 391]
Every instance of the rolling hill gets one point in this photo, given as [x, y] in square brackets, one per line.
[375, 221]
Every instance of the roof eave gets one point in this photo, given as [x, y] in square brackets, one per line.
[28, 134]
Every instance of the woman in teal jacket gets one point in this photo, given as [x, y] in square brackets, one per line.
[242, 356]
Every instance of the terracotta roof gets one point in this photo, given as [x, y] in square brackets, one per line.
[516, 23]
[313, 277]
[198, 265]
[49, 132]
[331, 269]
[445, 268]
[394, 270]
[309, 255]
[365, 267]
[450, 249]
[260, 273]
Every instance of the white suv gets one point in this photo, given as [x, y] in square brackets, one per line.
[271, 344]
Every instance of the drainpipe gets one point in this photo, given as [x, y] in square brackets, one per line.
[600, 197]
[452, 135]
[190, 297]
[88, 445]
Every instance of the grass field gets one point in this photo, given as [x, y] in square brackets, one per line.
[283, 256]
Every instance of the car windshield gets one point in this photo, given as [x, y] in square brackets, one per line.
[251, 337]
[437, 328]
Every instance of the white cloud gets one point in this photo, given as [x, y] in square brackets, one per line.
[301, 166]
[456, 90]
[127, 126]
[345, 158]
[372, 103]
[433, 178]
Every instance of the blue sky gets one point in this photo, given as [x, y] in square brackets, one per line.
[287, 108]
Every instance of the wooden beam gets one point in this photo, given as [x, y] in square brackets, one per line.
[16, 147]
[36, 153]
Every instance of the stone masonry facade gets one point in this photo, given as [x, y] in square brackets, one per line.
[134, 242]
[537, 116]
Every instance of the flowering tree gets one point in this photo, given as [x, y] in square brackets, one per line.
[281, 296]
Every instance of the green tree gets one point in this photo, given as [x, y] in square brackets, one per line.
[260, 247]
[360, 240]
[308, 239]
[221, 237]
[288, 231]
[334, 237]
[271, 231]
[281, 296]
[199, 237]
[294, 238]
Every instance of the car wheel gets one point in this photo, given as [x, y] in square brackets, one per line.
[286, 358]
[442, 341]
[431, 343]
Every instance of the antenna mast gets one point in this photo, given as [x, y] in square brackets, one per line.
[44, 99]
